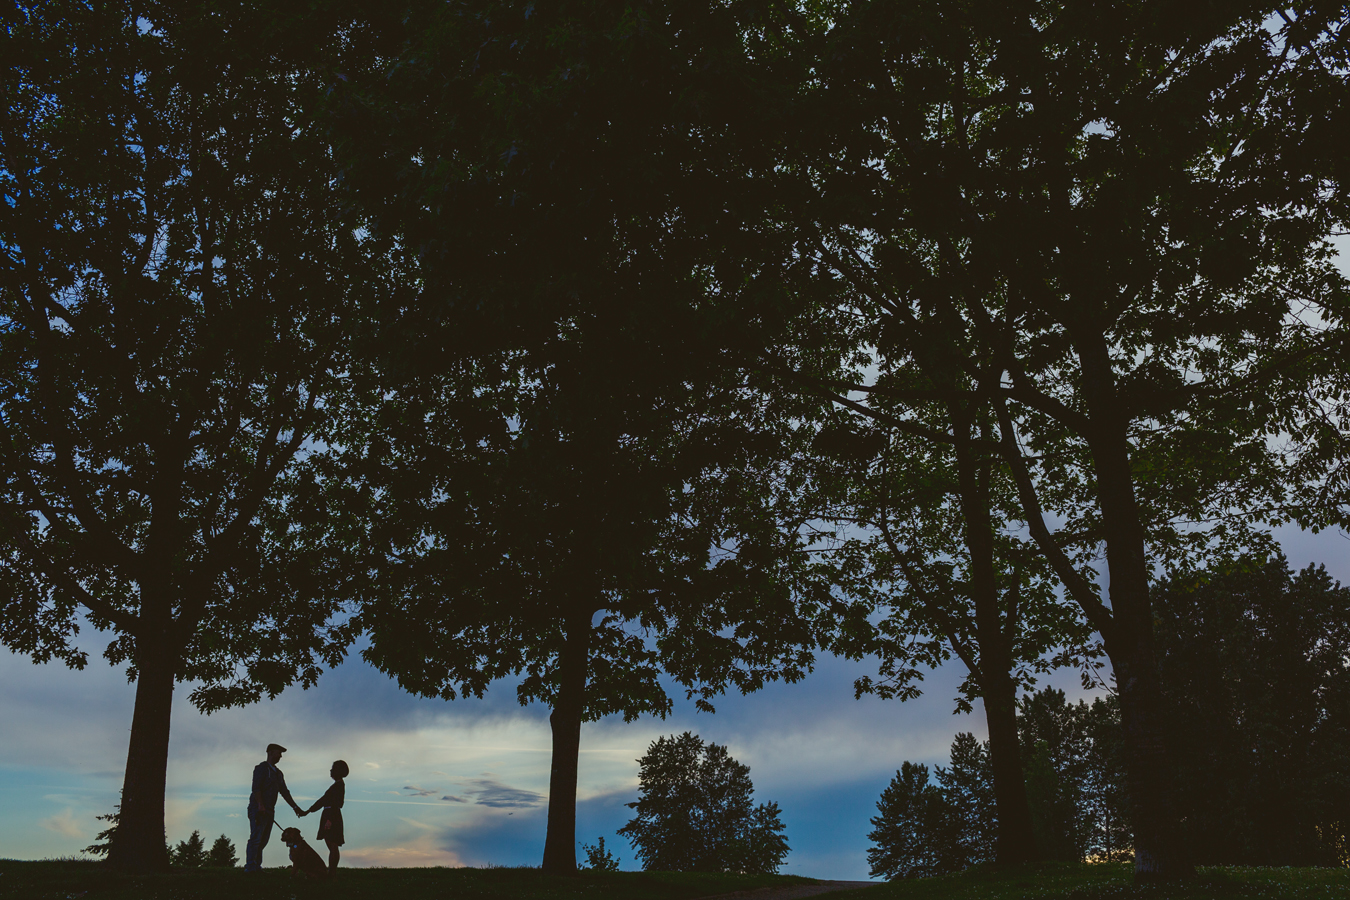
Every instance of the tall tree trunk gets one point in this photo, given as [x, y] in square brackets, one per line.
[1159, 853]
[560, 845]
[138, 844]
[1016, 842]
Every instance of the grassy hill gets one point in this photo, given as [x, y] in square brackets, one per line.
[75, 879]
[68, 880]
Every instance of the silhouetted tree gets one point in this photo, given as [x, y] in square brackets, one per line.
[222, 853]
[1128, 214]
[598, 859]
[695, 812]
[1075, 776]
[913, 837]
[1255, 659]
[103, 840]
[617, 503]
[1103, 807]
[928, 828]
[176, 288]
[949, 578]
[191, 853]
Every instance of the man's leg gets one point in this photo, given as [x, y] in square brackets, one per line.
[260, 829]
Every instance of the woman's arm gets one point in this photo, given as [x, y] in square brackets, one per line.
[322, 801]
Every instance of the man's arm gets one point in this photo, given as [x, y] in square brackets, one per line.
[285, 792]
[259, 780]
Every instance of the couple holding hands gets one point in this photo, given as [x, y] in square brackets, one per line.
[268, 784]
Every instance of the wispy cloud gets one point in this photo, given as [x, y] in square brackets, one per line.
[419, 791]
[501, 796]
[453, 799]
[63, 823]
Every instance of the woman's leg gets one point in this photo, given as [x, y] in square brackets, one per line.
[333, 854]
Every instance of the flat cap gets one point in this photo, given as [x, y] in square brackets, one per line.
[276, 747]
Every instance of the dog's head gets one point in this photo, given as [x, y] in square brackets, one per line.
[290, 835]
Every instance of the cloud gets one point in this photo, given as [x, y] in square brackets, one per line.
[63, 823]
[418, 791]
[453, 799]
[500, 796]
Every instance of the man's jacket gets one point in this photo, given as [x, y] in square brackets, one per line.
[267, 783]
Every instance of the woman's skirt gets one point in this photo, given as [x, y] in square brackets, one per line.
[330, 826]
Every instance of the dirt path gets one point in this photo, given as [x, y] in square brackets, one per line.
[794, 891]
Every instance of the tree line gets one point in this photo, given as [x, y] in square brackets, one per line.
[596, 342]
[1254, 659]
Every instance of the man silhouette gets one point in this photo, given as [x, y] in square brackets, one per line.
[268, 782]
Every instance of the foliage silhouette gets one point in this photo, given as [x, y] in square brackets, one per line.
[696, 813]
[222, 853]
[950, 579]
[598, 859]
[584, 491]
[1115, 219]
[178, 286]
[191, 853]
[1258, 689]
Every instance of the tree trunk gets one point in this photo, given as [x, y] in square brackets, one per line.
[1016, 842]
[138, 844]
[1159, 854]
[560, 845]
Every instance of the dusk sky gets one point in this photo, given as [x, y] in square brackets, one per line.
[466, 783]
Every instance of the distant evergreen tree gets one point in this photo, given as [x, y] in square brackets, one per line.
[1103, 811]
[967, 787]
[1054, 747]
[912, 837]
[1075, 785]
[1075, 776]
[223, 853]
[928, 828]
[104, 838]
[695, 812]
[189, 854]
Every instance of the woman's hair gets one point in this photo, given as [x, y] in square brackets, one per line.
[341, 768]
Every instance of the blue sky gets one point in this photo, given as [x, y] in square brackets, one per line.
[466, 783]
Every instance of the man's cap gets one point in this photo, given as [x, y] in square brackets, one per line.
[276, 747]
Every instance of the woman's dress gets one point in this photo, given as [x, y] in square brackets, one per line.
[330, 823]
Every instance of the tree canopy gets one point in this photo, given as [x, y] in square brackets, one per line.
[177, 288]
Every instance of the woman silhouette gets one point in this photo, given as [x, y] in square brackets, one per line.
[330, 823]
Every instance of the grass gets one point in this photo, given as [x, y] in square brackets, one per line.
[1072, 881]
[72, 879]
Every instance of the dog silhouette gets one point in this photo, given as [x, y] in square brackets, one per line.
[303, 857]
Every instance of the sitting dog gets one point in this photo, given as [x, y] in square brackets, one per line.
[303, 857]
